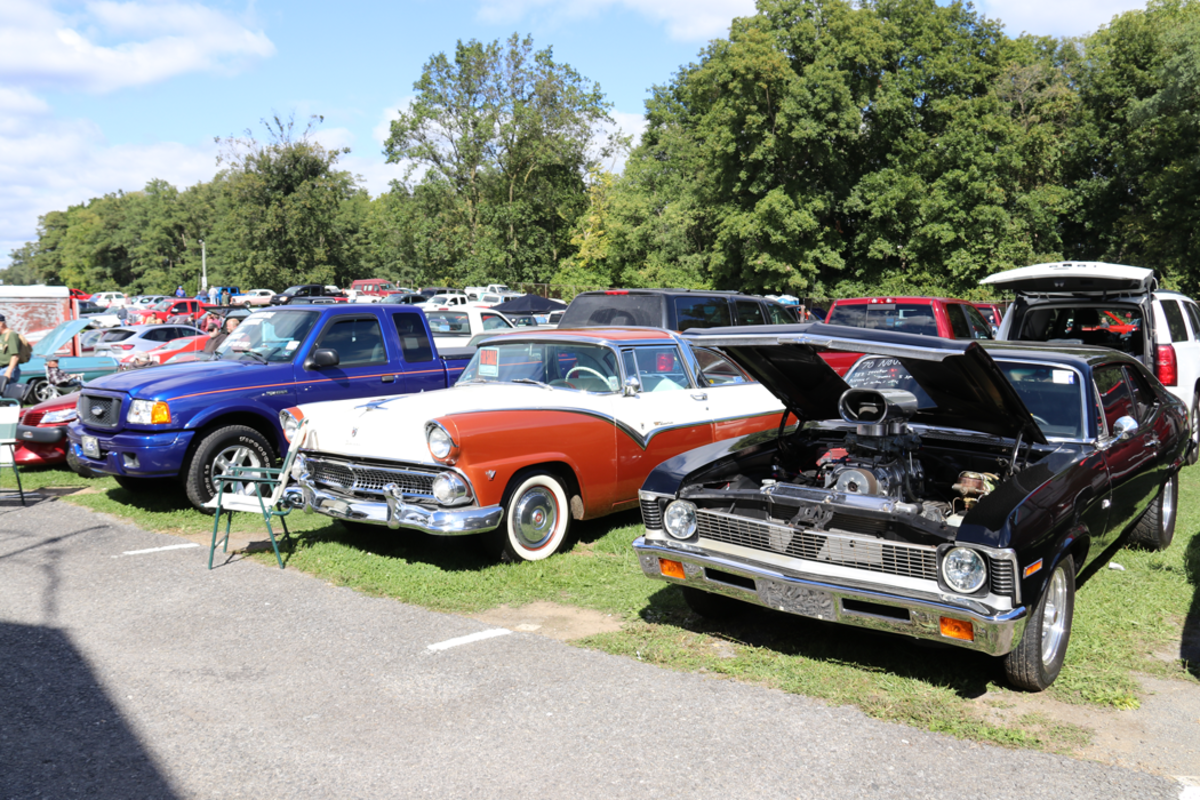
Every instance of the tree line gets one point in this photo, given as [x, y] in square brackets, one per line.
[824, 148]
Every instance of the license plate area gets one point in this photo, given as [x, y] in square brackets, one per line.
[798, 600]
[90, 446]
[337, 508]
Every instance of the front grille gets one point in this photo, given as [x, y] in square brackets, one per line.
[1003, 580]
[97, 411]
[369, 479]
[890, 558]
[651, 513]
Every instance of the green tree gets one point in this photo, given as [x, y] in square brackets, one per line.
[499, 138]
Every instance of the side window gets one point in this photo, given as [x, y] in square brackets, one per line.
[358, 341]
[702, 312]
[493, 322]
[1143, 396]
[1114, 394]
[717, 370]
[980, 327]
[1175, 321]
[958, 321]
[1194, 317]
[414, 341]
[779, 314]
[660, 369]
[748, 312]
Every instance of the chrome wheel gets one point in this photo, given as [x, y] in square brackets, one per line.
[535, 517]
[1167, 511]
[235, 456]
[1054, 617]
[44, 390]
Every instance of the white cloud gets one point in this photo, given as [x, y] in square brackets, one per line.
[685, 20]
[1065, 18]
[112, 45]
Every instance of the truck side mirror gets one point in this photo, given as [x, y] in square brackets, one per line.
[322, 357]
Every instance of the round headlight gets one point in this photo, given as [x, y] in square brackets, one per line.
[449, 489]
[290, 424]
[440, 443]
[963, 570]
[680, 519]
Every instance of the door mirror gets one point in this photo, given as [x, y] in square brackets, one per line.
[321, 358]
[1123, 428]
[632, 386]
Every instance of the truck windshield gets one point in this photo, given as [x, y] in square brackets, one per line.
[585, 367]
[268, 336]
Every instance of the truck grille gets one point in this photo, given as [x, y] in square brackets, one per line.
[97, 411]
[369, 479]
[891, 558]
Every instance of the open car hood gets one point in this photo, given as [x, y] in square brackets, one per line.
[1075, 279]
[969, 390]
[55, 339]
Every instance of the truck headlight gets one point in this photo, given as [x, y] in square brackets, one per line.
[149, 412]
[963, 570]
[449, 489]
[680, 519]
[441, 445]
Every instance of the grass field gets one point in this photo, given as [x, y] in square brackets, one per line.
[1127, 621]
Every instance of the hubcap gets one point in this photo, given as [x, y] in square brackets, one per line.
[1168, 506]
[1054, 622]
[235, 456]
[535, 517]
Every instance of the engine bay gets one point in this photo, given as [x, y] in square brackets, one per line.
[880, 478]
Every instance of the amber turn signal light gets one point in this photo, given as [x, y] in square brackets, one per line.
[957, 629]
[672, 569]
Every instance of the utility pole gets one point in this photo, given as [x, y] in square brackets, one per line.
[203, 268]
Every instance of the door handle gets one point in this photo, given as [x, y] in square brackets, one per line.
[389, 378]
[699, 395]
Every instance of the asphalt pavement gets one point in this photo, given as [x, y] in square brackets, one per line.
[129, 670]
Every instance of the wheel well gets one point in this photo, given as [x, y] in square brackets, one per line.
[241, 418]
[560, 470]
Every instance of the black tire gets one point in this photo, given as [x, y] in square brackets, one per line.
[77, 466]
[231, 446]
[716, 607]
[1038, 657]
[142, 485]
[537, 518]
[1194, 429]
[1156, 528]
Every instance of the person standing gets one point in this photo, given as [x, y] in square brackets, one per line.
[10, 355]
[180, 293]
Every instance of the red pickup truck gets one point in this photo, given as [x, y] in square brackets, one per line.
[927, 316]
[165, 309]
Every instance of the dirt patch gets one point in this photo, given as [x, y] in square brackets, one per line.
[550, 619]
[1161, 736]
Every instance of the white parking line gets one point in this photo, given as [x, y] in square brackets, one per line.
[471, 637]
[157, 549]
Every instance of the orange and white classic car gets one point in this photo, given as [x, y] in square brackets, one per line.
[543, 428]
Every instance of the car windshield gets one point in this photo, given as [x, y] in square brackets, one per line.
[1053, 394]
[584, 367]
[162, 305]
[901, 317]
[268, 336]
[291, 290]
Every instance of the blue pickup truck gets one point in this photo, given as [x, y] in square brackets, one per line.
[190, 422]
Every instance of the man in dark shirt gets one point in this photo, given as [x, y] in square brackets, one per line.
[219, 335]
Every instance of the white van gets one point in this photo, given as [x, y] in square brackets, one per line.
[1112, 305]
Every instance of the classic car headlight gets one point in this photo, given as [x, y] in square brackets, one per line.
[289, 420]
[149, 412]
[449, 489]
[441, 445]
[963, 570]
[680, 519]
[61, 416]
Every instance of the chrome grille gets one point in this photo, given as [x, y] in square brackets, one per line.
[97, 411]
[651, 513]
[370, 479]
[891, 558]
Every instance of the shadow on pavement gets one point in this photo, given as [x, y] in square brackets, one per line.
[60, 735]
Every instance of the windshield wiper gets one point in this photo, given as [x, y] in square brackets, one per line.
[529, 380]
[254, 353]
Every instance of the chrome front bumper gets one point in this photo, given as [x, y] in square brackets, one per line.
[995, 632]
[394, 513]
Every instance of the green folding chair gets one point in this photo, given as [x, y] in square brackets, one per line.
[242, 489]
[10, 414]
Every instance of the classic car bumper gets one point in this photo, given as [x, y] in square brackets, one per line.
[395, 513]
[995, 632]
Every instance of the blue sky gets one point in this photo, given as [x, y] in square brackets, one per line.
[102, 96]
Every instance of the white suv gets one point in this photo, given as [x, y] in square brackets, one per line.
[1091, 302]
